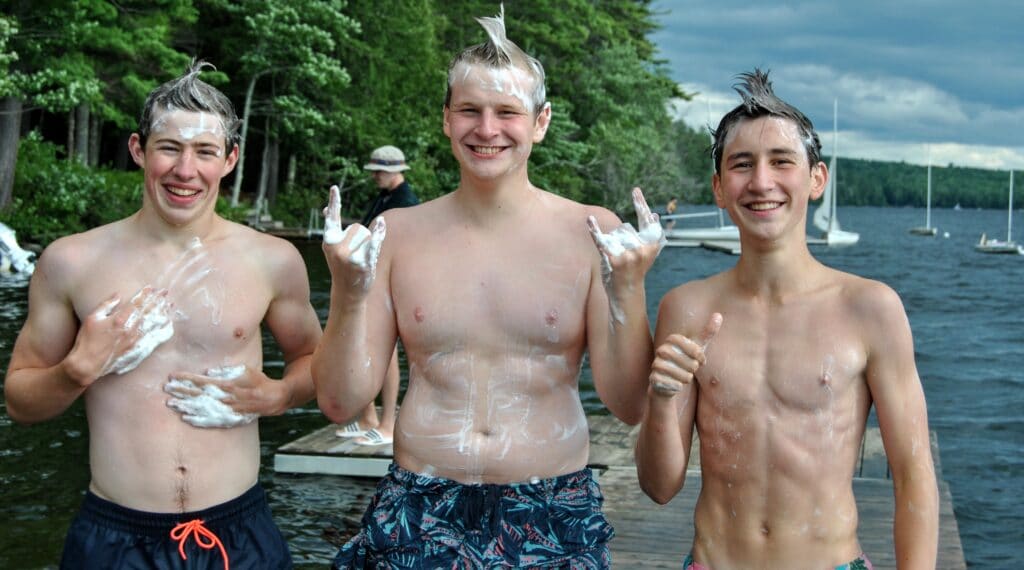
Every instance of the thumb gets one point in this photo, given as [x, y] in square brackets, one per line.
[711, 329]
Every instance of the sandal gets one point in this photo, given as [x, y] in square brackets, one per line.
[373, 437]
[351, 429]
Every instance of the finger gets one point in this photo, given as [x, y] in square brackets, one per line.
[643, 211]
[107, 308]
[332, 218]
[665, 386]
[711, 329]
[182, 388]
[605, 244]
[378, 230]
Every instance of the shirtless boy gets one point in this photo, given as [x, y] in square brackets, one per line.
[155, 321]
[496, 291]
[777, 362]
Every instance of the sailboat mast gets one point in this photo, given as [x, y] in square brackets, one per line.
[1009, 212]
[928, 206]
[835, 155]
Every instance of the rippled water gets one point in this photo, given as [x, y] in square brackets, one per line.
[964, 307]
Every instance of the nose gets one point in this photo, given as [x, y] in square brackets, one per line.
[185, 166]
[761, 177]
[487, 126]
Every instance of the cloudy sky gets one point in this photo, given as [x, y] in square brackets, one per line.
[907, 74]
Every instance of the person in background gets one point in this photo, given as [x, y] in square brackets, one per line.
[155, 321]
[497, 292]
[777, 362]
[386, 166]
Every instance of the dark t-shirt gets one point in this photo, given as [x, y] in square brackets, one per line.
[401, 197]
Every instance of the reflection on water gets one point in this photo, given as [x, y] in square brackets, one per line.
[969, 335]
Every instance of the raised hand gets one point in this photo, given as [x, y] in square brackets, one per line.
[677, 360]
[225, 397]
[116, 337]
[351, 253]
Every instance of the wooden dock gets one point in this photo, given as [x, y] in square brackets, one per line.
[649, 535]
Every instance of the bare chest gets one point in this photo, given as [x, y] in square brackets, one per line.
[797, 359]
[529, 291]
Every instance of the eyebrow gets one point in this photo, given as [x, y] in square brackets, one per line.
[773, 152]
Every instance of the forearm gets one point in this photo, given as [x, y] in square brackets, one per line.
[345, 373]
[34, 395]
[661, 455]
[916, 525]
[629, 351]
[298, 379]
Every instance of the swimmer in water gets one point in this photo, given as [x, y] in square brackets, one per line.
[155, 321]
[497, 291]
[777, 362]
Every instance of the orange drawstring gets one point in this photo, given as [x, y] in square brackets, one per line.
[204, 538]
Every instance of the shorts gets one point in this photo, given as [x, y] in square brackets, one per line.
[859, 563]
[238, 534]
[418, 521]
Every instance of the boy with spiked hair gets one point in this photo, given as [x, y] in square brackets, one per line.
[155, 321]
[777, 362]
[497, 292]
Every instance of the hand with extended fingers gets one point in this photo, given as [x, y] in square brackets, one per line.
[226, 396]
[677, 360]
[351, 253]
[116, 337]
[624, 250]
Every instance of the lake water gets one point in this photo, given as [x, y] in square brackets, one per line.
[965, 309]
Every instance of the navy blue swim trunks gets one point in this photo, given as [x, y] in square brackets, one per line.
[239, 534]
[417, 521]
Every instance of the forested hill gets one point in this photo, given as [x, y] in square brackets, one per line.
[876, 183]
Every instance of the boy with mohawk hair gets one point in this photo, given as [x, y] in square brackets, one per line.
[777, 362]
[154, 320]
[497, 292]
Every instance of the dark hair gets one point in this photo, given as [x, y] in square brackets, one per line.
[500, 52]
[189, 93]
[760, 101]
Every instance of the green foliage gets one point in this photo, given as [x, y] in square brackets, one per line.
[874, 183]
[55, 197]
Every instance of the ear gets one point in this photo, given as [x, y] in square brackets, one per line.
[819, 179]
[446, 125]
[542, 124]
[716, 189]
[135, 149]
[230, 161]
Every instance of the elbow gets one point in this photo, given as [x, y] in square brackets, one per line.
[16, 415]
[660, 496]
[334, 411]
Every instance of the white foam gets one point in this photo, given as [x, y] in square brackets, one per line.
[155, 329]
[207, 409]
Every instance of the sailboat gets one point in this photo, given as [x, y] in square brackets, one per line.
[825, 216]
[992, 245]
[927, 230]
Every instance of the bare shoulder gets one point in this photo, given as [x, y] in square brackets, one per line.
[869, 297]
[268, 250]
[75, 256]
[687, 307]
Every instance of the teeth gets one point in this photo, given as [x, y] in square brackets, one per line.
[764, 206]
[184, 193]
[486, 149]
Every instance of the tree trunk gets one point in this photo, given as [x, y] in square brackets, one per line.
[274, 174]
[82, 133]
[94, 140]
[261, 193]
[293, 166]
[10, 127]
[71, 135]
[240, 167]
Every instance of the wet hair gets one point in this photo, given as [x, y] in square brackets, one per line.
[499, 52]
[760, 101]
[189, 93]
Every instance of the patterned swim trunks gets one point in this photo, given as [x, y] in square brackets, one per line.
[417, 521]
[859, 563]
